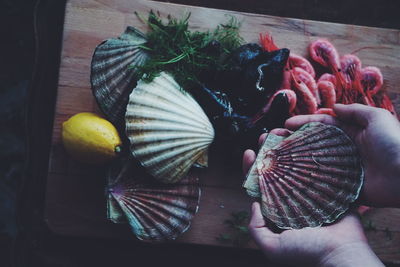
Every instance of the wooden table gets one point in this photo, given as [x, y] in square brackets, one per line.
[75, 200]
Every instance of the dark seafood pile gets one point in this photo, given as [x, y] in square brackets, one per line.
[173, 94]
[245, 103]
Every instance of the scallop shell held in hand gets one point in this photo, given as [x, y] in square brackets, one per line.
[168, 130]
[111, 77]
[155, 212]
[309, 178]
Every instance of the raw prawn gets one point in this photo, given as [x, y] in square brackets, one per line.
[298, 75]
[306, 102]
[352, 83]
[301, 62]
[324, 53]
[371, 80]
[302, 75]
[268, 44]
[327, 93]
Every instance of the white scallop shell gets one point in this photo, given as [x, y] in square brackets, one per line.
[167, 128]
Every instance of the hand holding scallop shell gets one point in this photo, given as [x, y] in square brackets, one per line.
[307, 179]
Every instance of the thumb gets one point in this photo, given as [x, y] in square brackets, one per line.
[354, 113]
[257, 220]
[264, 238]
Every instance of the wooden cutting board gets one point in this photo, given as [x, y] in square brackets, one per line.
[75, 199]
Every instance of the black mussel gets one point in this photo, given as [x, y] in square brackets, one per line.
[213, 48]
[269, 74]
[228, 125]
[275, 115]
[252, 81]
[243, 55]
[272, 116]
[214, 103]
[231, 127]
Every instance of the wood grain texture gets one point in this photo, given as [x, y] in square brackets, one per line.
[75, 202]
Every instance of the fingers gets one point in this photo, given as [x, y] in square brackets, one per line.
[265, 238]
[296, 122]
[277, 131]
[248, 158]
[354, 113]
[350, 114]
[262, 138]
[281, 132]
[257, 220]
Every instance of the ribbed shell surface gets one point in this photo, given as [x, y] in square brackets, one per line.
[167, 129]
[309, 178]
[155, 211]
[111, 77]
[251, 184]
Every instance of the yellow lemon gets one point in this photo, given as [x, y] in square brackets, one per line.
[89, 138]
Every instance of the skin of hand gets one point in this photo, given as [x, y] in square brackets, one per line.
[339, 244]
[376, 133]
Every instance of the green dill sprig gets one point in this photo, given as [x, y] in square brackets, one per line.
[238, 232]
[228, 35]
[183, 53]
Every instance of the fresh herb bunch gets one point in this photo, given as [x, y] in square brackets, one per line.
[183, 53]
[239, 234]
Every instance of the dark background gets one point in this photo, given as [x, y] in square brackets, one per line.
[30, 41]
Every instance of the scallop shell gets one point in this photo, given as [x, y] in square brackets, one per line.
[155, 212]
[309, 178]
[111, 78]
[168, 130]
[251, 182]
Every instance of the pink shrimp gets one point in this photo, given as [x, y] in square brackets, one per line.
[291, 97]
[327, 111]
[301, 62]
[382, 100]
[328, 77]
[286, 78]
[327, 93]
[304, 76]
[324, 53]
[306, 102]
[371, 80]
[267, 43]
[351, 67]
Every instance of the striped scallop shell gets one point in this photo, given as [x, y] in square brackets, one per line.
[155, 212]
[111, 77]
[168, 130]
[251, 183]
[309, 178]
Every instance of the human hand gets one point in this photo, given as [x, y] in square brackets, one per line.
[376, 133]
[339, 244]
